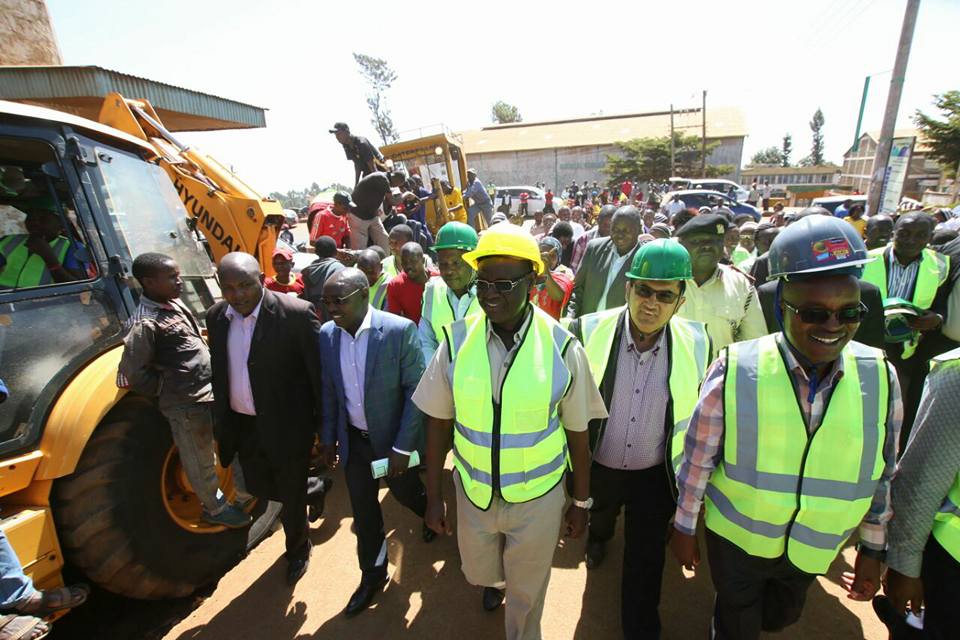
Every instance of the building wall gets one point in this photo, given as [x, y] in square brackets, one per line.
[26, 34]
[559, 167]
[922, 174]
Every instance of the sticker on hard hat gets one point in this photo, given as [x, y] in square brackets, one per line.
[831, 249]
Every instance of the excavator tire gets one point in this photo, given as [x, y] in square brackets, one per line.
[112, 522]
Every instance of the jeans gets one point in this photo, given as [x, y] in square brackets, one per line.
[15, 586]
[473, 209]
[192, 429]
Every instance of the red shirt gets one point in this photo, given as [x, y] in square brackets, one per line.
[327, 223]
[524, 196]
[296, 287]
[548, 197]
[405, 297]
[540, 297]
[626, 188]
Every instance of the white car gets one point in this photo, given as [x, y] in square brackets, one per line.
[536, 202]
[723, 186]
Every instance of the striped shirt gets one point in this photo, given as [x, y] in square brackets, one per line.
[634, 435]
[703, 447]
[901, 278]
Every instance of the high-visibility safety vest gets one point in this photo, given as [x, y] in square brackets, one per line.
[779, 489]
[946, 524]
[516, 448]
[931, 273]
[390, 267]
[688, 354]
[437, 308]
[25, 269]
[378, 292]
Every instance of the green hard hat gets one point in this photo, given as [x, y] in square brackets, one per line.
[661, 260]
[456, 235]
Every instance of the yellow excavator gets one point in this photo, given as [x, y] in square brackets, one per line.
[88, 472]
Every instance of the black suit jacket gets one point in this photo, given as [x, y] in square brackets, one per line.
[284, 368]
[591, 279]
[871, 329]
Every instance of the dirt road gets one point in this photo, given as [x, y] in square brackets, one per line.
[427, 596]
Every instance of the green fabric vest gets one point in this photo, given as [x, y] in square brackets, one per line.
[946, 524]
[378, 292]
[25, 269]
[390, 267]
[517, 447]
[932, 272]
[777, 490]
[437, 308]
[740, 255]
[689, 353]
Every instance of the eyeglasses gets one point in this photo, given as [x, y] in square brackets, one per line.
[502, 287]
[847, 315]
[666, 297]
[339, 301]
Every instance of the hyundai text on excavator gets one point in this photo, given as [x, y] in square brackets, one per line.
[88, 472]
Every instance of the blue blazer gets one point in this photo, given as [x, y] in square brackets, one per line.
[393, 370]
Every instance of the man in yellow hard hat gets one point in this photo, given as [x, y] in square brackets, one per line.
[649, 364]
[514, 391]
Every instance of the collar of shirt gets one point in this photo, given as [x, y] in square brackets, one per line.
[147, 302]
[466, 299]
[365, 324]
[517, 336]
[831, 379]
[894, 260]
[632, 346]
[233, 313]
[716, 277]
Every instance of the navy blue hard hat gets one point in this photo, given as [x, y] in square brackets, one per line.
[816, 244]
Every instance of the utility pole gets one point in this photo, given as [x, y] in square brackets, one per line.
[893, 105]
[703, 141]
[673, 170]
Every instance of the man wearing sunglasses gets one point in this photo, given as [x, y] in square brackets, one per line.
[649, 364]
[518, 387]
[793, 443]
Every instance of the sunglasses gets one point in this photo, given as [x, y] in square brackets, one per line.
[847, 315]
[502, 287]
[339, 301]
[666, 297]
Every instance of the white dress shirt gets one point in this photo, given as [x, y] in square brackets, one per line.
[353, 366]
[238, 352]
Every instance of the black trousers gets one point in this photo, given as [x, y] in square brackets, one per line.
[286, 483]
[647, 504]
[941, 592]
[753, 594]
[368, 518]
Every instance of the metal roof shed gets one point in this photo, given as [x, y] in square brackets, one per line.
[81, 90]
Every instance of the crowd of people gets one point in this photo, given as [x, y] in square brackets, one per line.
[674, 364]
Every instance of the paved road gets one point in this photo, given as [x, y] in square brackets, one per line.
[427, 596]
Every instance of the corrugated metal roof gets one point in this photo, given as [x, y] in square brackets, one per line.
[785, 171]
[80, 90]
[722, 122]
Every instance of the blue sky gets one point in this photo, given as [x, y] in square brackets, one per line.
[778, 61]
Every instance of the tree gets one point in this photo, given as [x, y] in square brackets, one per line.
[646, 159]
[816, 150]
[942, 136]
[785, 150]
[380, 77]
[769, 156]
[502, 113]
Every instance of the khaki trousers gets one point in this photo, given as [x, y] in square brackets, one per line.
[512, 545]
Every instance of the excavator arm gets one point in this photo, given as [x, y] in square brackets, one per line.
[226, 210]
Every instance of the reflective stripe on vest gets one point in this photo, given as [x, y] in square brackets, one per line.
[378, 292]
[931, 273]
[689, 351]
[518, 447]
[776, 483]
[437, 308]
[25, 269]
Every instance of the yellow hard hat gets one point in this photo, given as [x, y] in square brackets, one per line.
[505, 239]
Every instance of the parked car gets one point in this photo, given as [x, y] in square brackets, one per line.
[697, 198]
[511, 195]
[723, 186]
[830, 203]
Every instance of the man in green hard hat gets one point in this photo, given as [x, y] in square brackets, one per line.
[648, 363]
[451, 295]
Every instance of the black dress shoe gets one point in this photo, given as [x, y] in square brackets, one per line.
[492, 598]
[596, 552]
[429, 535]
[317, 489]
[297, 566]
[364, 595]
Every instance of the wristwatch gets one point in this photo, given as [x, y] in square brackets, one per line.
[583, 504]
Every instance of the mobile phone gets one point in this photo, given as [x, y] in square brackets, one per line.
[380, 467]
